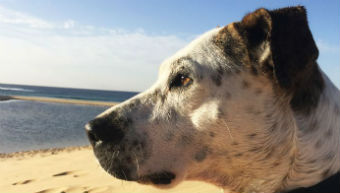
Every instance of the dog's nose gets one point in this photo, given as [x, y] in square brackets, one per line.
[105, 130]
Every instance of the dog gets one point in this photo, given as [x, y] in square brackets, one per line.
[244, 107]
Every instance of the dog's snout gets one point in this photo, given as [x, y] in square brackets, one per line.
[105, 130]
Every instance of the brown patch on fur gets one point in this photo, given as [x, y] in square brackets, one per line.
[291, 63]
[231, 45]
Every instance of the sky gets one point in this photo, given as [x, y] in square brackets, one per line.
[119, 45]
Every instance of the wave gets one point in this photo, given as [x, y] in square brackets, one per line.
[16, 89]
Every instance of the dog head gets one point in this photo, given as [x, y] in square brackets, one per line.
[221, 110]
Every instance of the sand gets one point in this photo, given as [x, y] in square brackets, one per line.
[59, 100]
[72, 169]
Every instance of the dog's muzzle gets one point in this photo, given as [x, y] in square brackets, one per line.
[105, 135]
[120, 155]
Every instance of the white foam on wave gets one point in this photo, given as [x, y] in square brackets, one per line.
[16, 89]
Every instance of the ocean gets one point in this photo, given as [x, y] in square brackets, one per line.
[31, 125]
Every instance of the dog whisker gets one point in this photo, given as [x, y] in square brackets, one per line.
[226, 124]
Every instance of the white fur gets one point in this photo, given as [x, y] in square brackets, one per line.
[223, 132]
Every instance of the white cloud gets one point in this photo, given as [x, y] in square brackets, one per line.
[69, 24]
[13, 17]
[35, 51]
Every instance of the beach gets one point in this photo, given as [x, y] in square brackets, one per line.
[70, 169]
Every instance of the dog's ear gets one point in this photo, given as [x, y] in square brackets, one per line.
[283, 37]
[255, 30]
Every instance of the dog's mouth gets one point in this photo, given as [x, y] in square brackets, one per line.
[126, 173]
[160, 178]
[126, 169]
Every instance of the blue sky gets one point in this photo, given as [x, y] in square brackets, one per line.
[118, 45]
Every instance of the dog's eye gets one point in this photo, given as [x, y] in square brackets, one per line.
[180, 80]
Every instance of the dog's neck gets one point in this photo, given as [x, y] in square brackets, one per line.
[317, 141]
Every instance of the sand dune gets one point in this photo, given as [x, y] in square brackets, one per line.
[71, 170]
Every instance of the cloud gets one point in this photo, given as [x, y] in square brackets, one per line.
[13, 17]
[69, 24]
[39, 52]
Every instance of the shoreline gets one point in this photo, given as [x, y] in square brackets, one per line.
[58, 100]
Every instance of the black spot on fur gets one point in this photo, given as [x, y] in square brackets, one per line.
[133, 104]
[329, 156]
[245, 84]
[238, 155]
[251, 136]
[220, 70]
[156, 95]
[227, 95]
[275, 164]
[258, 91]
[318, 144]
[201, 155]
[329, 133]
[217, 79]
[234, 143]
[211, 134]
[254, 71]
[172, 114]
[169, 136]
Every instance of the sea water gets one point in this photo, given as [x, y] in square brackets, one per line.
[31, 125]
